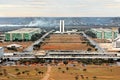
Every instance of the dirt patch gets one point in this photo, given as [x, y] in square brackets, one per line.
[92, 73]
[24, 45]
[65, 42]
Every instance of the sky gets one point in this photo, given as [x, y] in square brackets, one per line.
[59, 8]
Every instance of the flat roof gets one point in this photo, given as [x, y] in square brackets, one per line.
[24, 30]
[16, 45]
[103, 29]
[41, 52]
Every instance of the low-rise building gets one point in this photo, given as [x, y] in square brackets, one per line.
[2, 37]
[102, 33]
[21, 34]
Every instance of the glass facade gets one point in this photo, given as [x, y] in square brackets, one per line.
[105, 34]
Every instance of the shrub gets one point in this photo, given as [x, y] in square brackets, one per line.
[63, 71]
[67, 68]
[16, 69]
[1, 74]
[84, 69]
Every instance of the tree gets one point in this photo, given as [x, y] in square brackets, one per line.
[16, 69]
[39, 72]
[91, 34]
[42, 60]
[65, 62]
[88, 43]
[94, 78]
[36, 46]
[67, 68]
[23, 72]
[1, 74]
[76, 77]
[36, 69]
[18, 73]
[42, 73]
[59, 68]
[119, 30]
[63, 71]
[87, 78]
[28, 73]
[82, 76]
[84, 69]
[92, 45]
[89, 49]
[36, 36]
[56, 62]
[96, 49]
[12, 48]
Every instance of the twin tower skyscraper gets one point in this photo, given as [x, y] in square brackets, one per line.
[62, 28]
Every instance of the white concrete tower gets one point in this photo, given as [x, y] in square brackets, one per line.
[62, 26]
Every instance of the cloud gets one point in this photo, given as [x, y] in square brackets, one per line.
[112, 5]
[75, 6]
[21, 6]
[8, 6]
[117, 0]
[60, 7]
[37, 3]
[2, 15]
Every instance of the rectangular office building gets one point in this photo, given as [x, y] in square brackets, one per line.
[105, 33]
[21, 34]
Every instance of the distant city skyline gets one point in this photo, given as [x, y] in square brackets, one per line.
[59, 8]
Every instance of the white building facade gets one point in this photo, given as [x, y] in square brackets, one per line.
[62, 28]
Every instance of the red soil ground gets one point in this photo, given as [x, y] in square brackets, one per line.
[65, 42]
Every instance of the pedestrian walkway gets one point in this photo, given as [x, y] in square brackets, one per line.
[47, 75]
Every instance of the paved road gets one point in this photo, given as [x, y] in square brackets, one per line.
[101, 51]
[94, 43]
[67, 57]
[30, 48]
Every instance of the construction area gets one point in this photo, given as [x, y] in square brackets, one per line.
[66, 42]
